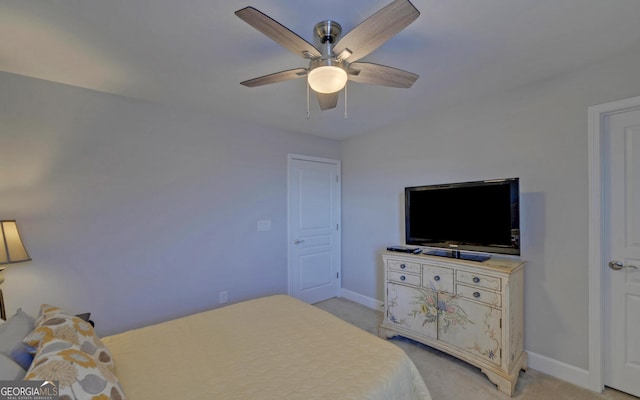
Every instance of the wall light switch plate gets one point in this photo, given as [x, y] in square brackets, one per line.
[264, 225]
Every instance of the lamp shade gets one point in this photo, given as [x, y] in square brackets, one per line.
[11, 248]
[327, 76]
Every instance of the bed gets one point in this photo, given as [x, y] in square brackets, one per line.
[274, 347]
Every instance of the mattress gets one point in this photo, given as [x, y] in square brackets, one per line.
[274, 347]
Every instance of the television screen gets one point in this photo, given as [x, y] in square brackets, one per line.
[479, 216]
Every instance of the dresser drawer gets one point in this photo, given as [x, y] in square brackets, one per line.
[483, 281]
[400, 277]
[437, 278]
[404, 266]
[474, 293]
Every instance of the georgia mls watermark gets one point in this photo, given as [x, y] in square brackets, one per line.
[29, 390]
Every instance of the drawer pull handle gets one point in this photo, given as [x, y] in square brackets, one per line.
[476, 279]
[476, 294]
[402, 277]
[402, 266]
[436, 278]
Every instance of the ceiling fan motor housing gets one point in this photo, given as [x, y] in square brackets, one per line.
[326, 34]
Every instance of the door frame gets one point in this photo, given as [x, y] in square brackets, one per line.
[337, 163]
[597, 211]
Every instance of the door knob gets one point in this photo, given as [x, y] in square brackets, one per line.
[617, 265]
[298, 241]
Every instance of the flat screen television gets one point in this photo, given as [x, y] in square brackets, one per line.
[482, 216]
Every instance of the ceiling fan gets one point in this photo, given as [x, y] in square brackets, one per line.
[334, 60]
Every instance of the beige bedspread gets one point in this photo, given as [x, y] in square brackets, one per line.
[270, 348]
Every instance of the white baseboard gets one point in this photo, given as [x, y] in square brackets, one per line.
[558, 369]
[362, 299]
[544, 364]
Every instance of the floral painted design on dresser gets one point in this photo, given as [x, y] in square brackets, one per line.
[450, 318]
[491, 346]
[392, 301]
[485, 340]
[445, 310]
[400, 310]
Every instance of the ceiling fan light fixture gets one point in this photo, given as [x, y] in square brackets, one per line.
[327, 77]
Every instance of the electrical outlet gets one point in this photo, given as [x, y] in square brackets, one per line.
[223, 297]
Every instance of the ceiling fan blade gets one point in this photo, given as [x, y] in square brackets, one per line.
[376, 30]
[276, 77]
[376, 74]
[327, 100]
[278, 32]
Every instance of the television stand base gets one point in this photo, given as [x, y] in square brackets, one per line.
[459, 255]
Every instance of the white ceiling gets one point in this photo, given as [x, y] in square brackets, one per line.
[194, 53]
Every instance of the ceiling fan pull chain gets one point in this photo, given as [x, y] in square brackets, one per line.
[345, 101]
[308, 113]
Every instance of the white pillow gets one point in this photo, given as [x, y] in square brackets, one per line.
[10, 370]
[12, 332]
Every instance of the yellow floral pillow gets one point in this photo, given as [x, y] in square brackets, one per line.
[78, 374]
[47, 310]
[55, 323]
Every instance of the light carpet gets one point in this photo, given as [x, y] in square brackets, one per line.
[451, 379]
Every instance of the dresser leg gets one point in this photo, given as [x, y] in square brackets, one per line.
[386, 333]
[507, 384]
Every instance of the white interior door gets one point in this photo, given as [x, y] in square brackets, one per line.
[314, 228]
[622, 239]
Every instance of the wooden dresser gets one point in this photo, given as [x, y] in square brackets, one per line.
[471, 310]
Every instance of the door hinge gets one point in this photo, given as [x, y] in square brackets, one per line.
[337, 227]
[337, 178]
[500, 323]
[501, 354]
[337, 275]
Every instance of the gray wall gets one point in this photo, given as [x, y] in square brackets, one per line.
[537, 133]
[139, 212]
